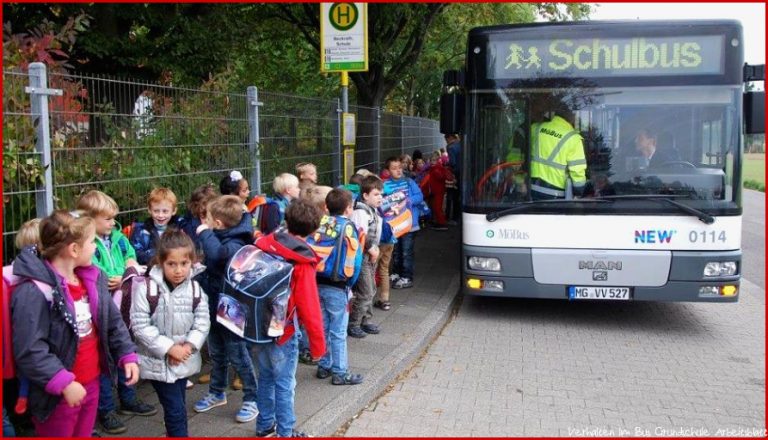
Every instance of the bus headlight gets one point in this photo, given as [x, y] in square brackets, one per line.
[483, 263]
[720, 269]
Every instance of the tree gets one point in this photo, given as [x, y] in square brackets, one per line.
[408, 43]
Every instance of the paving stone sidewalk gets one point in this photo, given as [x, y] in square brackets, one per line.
[417, 315]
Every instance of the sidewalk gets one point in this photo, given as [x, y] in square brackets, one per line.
[417, 315]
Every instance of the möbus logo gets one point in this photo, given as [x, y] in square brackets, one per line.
[513, 234]
[654, 236]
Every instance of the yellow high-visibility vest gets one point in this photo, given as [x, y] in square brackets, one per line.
[557, 151]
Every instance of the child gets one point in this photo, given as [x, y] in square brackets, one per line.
[407, 165]
[315, 195]
[235, 185]
[402, 278]
[196, 206]
[27, 236]
[286, 188]
[196, 213]
[307, 174]
[278, 360]
[60, 336]
[438, 176]
[161, 205]
[113, 254]
[334, 296]
[170, 339]
[113, 250]
[226, 230]
[366, 218]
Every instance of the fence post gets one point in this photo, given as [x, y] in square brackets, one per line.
[39, 91]
[254, 136]
[336, 177]
[402, 134]
[377, 140]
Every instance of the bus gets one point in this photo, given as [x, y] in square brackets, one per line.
[636, 230]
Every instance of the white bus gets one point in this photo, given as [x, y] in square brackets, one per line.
[643, 231]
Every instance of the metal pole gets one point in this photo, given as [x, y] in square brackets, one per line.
[402, 134]
[253, 135]
[39, 91]
[345, 91]
[336, 176]
[377, 141]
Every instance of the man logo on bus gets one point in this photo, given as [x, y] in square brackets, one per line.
[489, 233]
[516, 57]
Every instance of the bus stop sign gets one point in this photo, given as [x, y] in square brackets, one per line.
[343, 37]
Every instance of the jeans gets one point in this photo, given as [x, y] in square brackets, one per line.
[333, 304]
[277, 384]
[403, 255]
[72, 422]
[8, 430]
[225, 348]
[173, 397]
[126, 394]
[303, 338]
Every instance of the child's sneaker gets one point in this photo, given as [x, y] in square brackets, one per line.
[210, 401]
[271, 432]
[111, 424]
[305, 357]
[247, 412]
[403, 283]
[137, 408]
[393, 278]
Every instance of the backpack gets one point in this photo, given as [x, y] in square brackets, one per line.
[131, 279]
[262, 208]
[337, 243]
[10, 282]
[402, 221]
[254, 302]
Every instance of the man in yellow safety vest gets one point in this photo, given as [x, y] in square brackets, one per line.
[557, 153]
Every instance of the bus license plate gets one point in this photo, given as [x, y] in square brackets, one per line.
[592, 292]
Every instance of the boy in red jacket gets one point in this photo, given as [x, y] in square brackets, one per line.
[277, 361]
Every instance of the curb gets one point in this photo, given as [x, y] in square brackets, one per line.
[346, 406]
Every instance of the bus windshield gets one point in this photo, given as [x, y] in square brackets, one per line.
[680, 141]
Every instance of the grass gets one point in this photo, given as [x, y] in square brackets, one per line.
[754, 171]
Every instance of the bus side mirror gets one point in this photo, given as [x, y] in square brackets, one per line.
[754, 112]
[452, 103]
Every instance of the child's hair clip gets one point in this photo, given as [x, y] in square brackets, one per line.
[235, 176]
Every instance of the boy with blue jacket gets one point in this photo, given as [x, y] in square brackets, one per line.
[227, 228]
[402, 276]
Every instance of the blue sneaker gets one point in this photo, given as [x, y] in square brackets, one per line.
[247, 413]
[210, 401]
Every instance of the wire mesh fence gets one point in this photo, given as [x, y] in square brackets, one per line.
[127, 137]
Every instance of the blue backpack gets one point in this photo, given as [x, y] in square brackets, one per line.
[337, 242]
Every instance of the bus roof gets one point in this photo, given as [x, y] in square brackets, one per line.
[606, 24]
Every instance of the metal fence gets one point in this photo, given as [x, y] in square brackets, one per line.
[67, 134]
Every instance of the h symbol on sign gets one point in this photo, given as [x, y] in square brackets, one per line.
[343, 11]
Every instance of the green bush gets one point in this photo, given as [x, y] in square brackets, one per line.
[754, 184]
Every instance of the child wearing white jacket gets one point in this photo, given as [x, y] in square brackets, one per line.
[170, 321]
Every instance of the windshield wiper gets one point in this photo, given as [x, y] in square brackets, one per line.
[705, 218]
[493, 216]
